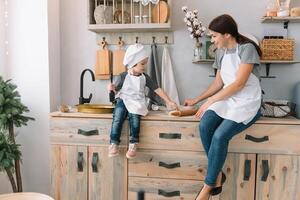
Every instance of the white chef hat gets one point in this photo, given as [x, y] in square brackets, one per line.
[134, 54]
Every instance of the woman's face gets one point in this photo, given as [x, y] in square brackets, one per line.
[220, 40]
[140, 67]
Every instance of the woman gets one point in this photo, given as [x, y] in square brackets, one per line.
[233, 98]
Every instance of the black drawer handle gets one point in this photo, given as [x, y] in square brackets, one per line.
[247, 170]
[170, 135]
[168, 194]
[88, 133]
[257, 140]
[80, 161]
[95, 159]
[265, 168]
[169, 166]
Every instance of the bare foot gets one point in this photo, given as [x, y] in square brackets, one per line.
[219, 180]
[204, 194]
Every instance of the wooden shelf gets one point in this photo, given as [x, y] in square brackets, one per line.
[279, 61]
[152, 27]
[279, 19]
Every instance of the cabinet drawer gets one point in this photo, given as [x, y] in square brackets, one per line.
[263, 138]
[170, 135]
[163, 189]
[66, 130]
[169, 164]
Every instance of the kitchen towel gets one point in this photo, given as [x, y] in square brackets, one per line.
[168, 83]
[154, 71]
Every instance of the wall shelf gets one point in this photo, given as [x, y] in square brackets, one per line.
[153, 27]
[279, 19]
[266, 62]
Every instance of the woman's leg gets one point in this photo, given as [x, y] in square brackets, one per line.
[119, 115]
[219, 146]
[207, 126]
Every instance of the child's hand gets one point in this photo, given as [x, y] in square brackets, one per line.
[111, 87]
[172, 105]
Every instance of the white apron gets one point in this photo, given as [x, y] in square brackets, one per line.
[133, 94]
[243, 105]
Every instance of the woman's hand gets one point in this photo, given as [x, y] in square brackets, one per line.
[190, 102]
[111, 87]
[203, 108]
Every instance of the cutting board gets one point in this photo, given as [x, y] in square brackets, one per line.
[118, 57]
[103, 62]
[160, 12]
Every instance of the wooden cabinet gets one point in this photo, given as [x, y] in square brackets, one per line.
[80, 172]
[80, 167]
[263, 162]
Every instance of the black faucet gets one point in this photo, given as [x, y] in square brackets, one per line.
[83, 100]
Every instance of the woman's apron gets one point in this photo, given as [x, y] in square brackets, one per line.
[133, 94]
[243, 105]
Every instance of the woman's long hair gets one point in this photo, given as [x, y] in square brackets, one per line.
[226, 24]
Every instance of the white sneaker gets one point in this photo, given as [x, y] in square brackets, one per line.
[131, 153]
[113, 150]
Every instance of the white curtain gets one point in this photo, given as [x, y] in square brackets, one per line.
[2, 38]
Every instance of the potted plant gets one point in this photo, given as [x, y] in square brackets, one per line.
[11, 115]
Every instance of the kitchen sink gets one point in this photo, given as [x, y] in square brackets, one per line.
[95, 108]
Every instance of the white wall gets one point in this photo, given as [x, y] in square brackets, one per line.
[27, 66]
[54, 53]
[75, 56]
[2, 39]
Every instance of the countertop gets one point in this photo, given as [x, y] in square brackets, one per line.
[163, 116]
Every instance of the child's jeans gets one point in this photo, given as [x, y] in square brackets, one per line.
[119, 116]
[215, 133]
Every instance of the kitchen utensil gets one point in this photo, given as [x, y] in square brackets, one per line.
[103, 62]
[111, 93]
[160, 12]
[118, 57]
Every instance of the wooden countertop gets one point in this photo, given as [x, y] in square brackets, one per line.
[163, 116]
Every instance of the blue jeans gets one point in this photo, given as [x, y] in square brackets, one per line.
[119, 116]
[215, 133]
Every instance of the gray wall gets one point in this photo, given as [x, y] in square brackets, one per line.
[78, 47]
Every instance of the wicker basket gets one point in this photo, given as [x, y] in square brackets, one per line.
[277, 49]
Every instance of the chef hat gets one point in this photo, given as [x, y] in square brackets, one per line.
[134, 54]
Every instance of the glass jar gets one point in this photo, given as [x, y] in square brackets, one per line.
[198, 51]
[283, 10]
[271, 10]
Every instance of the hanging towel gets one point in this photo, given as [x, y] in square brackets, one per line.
[155, 74]
[167, 76]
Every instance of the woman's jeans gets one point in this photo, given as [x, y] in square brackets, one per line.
[119, 116]
[215, 133]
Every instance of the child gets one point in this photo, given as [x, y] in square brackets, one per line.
[130, 98]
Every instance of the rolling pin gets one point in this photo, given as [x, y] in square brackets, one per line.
[180, 113]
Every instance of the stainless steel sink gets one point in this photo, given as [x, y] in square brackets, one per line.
[95, 108]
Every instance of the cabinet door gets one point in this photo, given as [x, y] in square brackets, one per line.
[278, 177]
[68, 172]
[240, 173]
[107, 176]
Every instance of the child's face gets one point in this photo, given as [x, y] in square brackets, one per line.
[140, 67]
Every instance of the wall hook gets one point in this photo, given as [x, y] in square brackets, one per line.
[153, 39]
[166, 39]
[136, 40]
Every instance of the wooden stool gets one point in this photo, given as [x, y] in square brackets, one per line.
[25, 196]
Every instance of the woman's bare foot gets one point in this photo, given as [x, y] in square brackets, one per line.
[205, 193]
[219, 180]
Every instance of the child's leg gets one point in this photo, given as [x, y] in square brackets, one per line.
[119, 115]
[134, 123]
